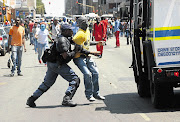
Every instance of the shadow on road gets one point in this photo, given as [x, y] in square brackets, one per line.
[57, 106]
[129, 103]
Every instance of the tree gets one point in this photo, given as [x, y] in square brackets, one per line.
[40, 9]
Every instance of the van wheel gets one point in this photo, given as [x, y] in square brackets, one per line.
[143, 86]
[161, 95]
[3, 53]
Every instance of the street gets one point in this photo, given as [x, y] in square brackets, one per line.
[122, 103]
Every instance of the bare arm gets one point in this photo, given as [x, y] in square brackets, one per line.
[23, 41]
[50, 38]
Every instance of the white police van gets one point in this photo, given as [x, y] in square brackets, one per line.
[156, 48]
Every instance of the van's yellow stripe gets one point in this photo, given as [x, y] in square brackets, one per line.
[167, 38]
[165, 28]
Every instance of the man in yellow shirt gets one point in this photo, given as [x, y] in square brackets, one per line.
[17, 33]
[86, 64]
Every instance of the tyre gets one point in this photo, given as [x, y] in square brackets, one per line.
[143, 86]
[161, 95]
[3, 53]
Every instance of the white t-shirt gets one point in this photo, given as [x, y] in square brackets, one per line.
[55, 30]
[42, 36]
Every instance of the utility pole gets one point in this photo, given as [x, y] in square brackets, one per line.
[4, 15]
[99, 7]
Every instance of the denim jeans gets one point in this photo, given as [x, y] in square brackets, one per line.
[41, 48]
[16, 58]
[35, 45]
[53, 70]
[31, 38]
[91, 75]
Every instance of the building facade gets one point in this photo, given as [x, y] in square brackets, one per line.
[84, 7]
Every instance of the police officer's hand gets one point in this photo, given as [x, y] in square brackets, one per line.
[96, 53]
[64, 55]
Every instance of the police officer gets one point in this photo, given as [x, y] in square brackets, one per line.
[59, 67]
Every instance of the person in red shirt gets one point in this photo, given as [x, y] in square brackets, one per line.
[31, 24]
[99, 34]
[105, 22]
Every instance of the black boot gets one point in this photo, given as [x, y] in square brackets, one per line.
[30, 101]
[68, 102]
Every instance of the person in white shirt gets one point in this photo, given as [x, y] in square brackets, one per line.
[55, 29]
[42, 37]
[34, 30]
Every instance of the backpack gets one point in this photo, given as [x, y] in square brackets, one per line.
[50, 54]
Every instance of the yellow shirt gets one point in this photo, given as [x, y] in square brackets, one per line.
[17, 34]
[82, 38]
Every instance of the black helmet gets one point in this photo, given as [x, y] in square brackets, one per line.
[82, 23]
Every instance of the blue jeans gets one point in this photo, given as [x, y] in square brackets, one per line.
[91, 75]
[41, 48]
[35, 45]
[53, 70]
[31, 38]
[16, 58]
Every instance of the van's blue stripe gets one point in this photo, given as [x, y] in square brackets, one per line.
[167, 33]
[169, 63]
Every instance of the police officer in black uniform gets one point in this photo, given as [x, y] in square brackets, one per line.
[60, 55]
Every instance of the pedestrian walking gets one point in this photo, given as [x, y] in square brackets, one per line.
[31, 24]
[75, 27]
[86, 64]
[35, 30]
[116, 32]
[127, 31]
[105, 23]
[90, 23]
[26, 25]
[42, 37]
[61, 54]
[55, 29]
[16, 40]
[99, 34]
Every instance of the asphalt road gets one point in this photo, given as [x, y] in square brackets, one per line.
[117, 84]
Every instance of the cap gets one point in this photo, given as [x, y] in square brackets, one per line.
[66, 27]
[81, 19]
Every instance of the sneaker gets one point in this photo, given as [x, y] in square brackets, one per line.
[30, 101]
[40, 61]
[100, 56]
[117, 47]
[69, 103]
[20, 74]
[91, 99]
[99, 97]
[11, 75]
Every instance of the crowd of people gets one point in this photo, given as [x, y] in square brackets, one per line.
[52, 41]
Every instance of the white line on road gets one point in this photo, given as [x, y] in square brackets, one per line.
[113, 85]
[2, 83]
[144, 116]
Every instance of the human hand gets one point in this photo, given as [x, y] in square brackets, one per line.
[25, 50]
[95, 53]
[64, 55]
